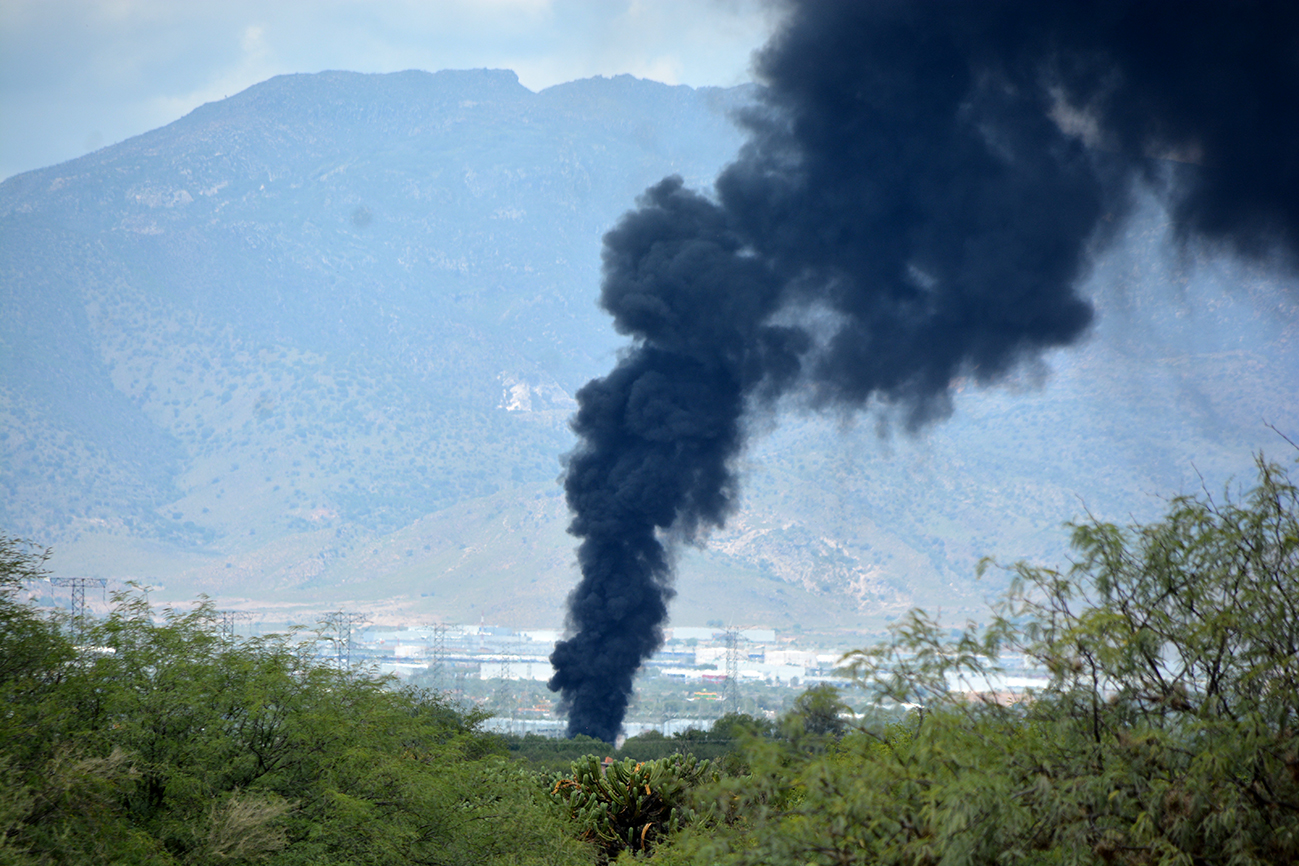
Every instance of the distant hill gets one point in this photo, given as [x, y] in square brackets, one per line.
[316, 345]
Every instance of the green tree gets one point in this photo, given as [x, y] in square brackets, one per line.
[45, 778]
[818, 711]
[168, 744]
[1167, 733]
[736, 726]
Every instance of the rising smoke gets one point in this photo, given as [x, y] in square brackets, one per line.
[926, 181]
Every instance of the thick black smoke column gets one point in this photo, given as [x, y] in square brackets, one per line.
[928, 178]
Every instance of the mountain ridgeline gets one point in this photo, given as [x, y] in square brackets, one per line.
[317, 344]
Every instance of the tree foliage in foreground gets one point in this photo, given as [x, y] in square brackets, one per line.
[1168, 734]
[166, 744]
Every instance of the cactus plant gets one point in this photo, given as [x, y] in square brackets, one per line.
[629, 804]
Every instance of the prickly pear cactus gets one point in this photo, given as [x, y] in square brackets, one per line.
[629, 804]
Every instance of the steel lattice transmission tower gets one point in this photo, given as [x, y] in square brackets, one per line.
[77, 587]
[732, 699]
[507, 672]
[227, 620]
[340, 625]
[439, 652]
[438, 663]
[503, 696]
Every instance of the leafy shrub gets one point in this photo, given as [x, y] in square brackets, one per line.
[170, 744]
[1167, 733]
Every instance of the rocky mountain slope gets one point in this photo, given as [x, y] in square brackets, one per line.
[315, 345]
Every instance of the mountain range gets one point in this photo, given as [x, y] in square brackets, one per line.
[315, 346]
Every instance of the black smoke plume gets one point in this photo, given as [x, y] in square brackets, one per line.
[922, 188]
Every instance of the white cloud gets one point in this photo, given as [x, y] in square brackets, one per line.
[253, 42]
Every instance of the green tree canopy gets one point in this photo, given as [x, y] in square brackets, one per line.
[1167, 732]
[168, 743]
[818, 711]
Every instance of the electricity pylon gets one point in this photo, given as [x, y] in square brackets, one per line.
[438, 668]
[228, 620]
[732, 697]
[439, 655]
[341, 624]
[77, 586]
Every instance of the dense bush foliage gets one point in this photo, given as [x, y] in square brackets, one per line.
[1168, 733]
[721, 742]
[158, 742]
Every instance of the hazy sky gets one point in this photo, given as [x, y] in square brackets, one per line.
[76, 75]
